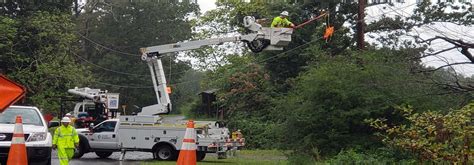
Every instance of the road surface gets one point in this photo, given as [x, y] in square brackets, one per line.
[131, 158]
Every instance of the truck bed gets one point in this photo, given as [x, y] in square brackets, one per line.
[145, 136]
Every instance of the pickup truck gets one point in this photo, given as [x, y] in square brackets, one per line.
[38, 140]
[163, 140]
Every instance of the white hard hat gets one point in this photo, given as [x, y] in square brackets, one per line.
[284, 13]
[65, 120]
[68, 114]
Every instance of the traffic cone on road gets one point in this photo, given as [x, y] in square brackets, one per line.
[187, 154]
[17, 154]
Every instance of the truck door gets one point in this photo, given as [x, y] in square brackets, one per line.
[104, 136]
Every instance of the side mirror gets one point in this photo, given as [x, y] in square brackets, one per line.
[91, 127]
[53, 124]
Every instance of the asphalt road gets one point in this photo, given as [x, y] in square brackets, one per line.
[131, 158]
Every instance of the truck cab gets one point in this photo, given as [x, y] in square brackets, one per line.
[101, 139]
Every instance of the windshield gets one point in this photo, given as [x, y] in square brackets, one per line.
[29, 116]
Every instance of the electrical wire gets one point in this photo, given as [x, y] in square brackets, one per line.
[143, 87]
[105, 47]
[119, 72]
[107, 69]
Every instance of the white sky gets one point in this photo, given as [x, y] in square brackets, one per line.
[206, 5]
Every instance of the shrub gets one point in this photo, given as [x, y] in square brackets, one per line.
[432, 136]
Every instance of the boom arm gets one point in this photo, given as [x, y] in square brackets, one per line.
[190, 45]
[260, 38]
[96, 95]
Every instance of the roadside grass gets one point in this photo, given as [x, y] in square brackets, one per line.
[251, 157]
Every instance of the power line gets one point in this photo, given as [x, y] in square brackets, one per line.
[119, 72]
[124, 86]
[107, 69]
[105, 47]
[142, 87]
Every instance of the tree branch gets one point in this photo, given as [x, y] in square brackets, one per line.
[436, 53]
[451, 64]
[458, 43]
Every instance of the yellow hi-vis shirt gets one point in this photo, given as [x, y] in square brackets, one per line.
[65, 137]
[280, 22]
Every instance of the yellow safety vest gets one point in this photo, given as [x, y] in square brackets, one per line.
[65, 137]
[280, 22]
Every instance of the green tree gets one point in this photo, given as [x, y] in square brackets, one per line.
[8, 31]
[245, 95]
[326, 109]
[110, 45]
[432, 136]
[39, 54]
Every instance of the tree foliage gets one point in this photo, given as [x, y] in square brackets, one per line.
[431, 135]
[112, 34]
[328, 104]
[37, 51]
[245, 95]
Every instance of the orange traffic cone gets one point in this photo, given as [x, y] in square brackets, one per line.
[17, 153]
[187, 154]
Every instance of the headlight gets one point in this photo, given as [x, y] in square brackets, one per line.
[37, 136]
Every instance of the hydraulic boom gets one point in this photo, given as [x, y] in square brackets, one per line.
[259, 39]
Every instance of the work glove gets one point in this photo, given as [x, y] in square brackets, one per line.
[54, 146]
[292, 26]
[76, 145]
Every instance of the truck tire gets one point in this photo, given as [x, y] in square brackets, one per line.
[48, 162]
[221, 155]
[165, 152]
[79, 151]
[103, 155]
[200, 155]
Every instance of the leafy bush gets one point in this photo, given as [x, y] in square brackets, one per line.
[432, 136]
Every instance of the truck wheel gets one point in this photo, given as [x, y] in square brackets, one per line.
[165, 152]
[79, 151]
[48, 162]
[221, 155]
[200, 155]
[103, 155]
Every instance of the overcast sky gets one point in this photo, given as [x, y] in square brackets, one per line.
[206, 5]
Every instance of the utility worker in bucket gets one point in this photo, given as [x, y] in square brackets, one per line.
[65, 140]
[282, 21]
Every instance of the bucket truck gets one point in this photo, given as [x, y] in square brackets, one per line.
[145, 132]
[92, 107]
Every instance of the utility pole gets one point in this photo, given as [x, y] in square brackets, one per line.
[360, 25]
[76, 8]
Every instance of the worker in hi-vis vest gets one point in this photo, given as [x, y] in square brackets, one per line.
[282, 21]
[65, 140]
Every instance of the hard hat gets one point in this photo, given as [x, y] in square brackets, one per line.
[65, 120]
[68, 114]
[284, 13]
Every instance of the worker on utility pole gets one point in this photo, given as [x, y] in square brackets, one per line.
[65, 140]
[282, 21]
